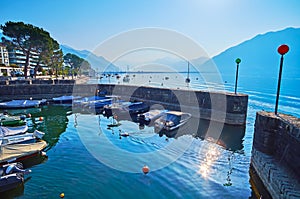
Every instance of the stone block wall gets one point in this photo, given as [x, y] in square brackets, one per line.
[218, 106]
[276, 153]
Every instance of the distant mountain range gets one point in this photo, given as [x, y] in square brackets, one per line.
[98, 63]
[259, 56]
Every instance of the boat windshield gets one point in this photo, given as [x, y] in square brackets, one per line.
[174, 118]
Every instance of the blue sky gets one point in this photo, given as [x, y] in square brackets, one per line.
[214, 24]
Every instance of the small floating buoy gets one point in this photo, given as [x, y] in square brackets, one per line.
[28, 115]
[145, 169]
[41, 118]
[62, 195]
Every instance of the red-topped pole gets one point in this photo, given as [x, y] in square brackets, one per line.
[283, 49]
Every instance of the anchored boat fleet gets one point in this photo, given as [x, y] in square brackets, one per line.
[18, 144]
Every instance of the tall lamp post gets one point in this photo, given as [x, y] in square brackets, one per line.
[283, 49]
[237, 61]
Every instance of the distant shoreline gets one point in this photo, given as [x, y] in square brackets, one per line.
[82, 80]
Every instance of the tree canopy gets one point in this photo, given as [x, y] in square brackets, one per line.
[79, 64]
[29, 39]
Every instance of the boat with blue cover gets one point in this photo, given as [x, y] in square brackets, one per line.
[17, 104]
[125, 109]
[65, 99]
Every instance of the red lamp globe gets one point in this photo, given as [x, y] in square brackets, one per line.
[283, 49]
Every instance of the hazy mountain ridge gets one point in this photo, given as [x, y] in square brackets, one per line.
[98, 63]
[259, 55]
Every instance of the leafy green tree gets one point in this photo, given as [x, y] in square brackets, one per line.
[85, 68]
[51, 55]
[79, 65]
[57, 61]
[44, 50]
[29, 38]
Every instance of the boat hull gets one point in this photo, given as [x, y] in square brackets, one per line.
[10, 181]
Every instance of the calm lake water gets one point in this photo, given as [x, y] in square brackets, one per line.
[88, 160]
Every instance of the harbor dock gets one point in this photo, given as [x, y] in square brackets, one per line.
[276, 154]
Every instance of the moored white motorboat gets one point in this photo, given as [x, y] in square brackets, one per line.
[9, 131]
[11, 175]
[22, 138]
[149, 117]
[171, 120]
[8, 120]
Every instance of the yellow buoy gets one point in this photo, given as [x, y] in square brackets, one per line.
[145, 169]
[62, 195]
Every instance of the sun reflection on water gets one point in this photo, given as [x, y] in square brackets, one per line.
[211, 155]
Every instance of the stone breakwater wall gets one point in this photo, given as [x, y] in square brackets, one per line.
[37, 82]
[35, 89]
[276, 153]
[218, 106]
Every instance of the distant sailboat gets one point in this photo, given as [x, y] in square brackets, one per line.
[188, 80]
[126, 78]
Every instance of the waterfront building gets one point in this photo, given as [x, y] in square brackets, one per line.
[17, 57]
[4, 58]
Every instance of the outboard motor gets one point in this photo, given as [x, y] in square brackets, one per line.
[16, 168]
[141, 119]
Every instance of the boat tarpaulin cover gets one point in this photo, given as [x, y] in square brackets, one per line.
[9, 152]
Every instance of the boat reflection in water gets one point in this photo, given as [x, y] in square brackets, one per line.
[203, 161]
[54, 122]
[229, 136]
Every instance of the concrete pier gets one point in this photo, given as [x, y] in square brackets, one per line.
[223, 107]
[276, 154]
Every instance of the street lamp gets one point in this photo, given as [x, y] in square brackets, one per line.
[283, 49]
[237, 61]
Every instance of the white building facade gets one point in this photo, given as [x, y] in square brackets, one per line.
[4, 57]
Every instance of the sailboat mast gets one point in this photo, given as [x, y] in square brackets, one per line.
[187, 80]
[188, 69]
